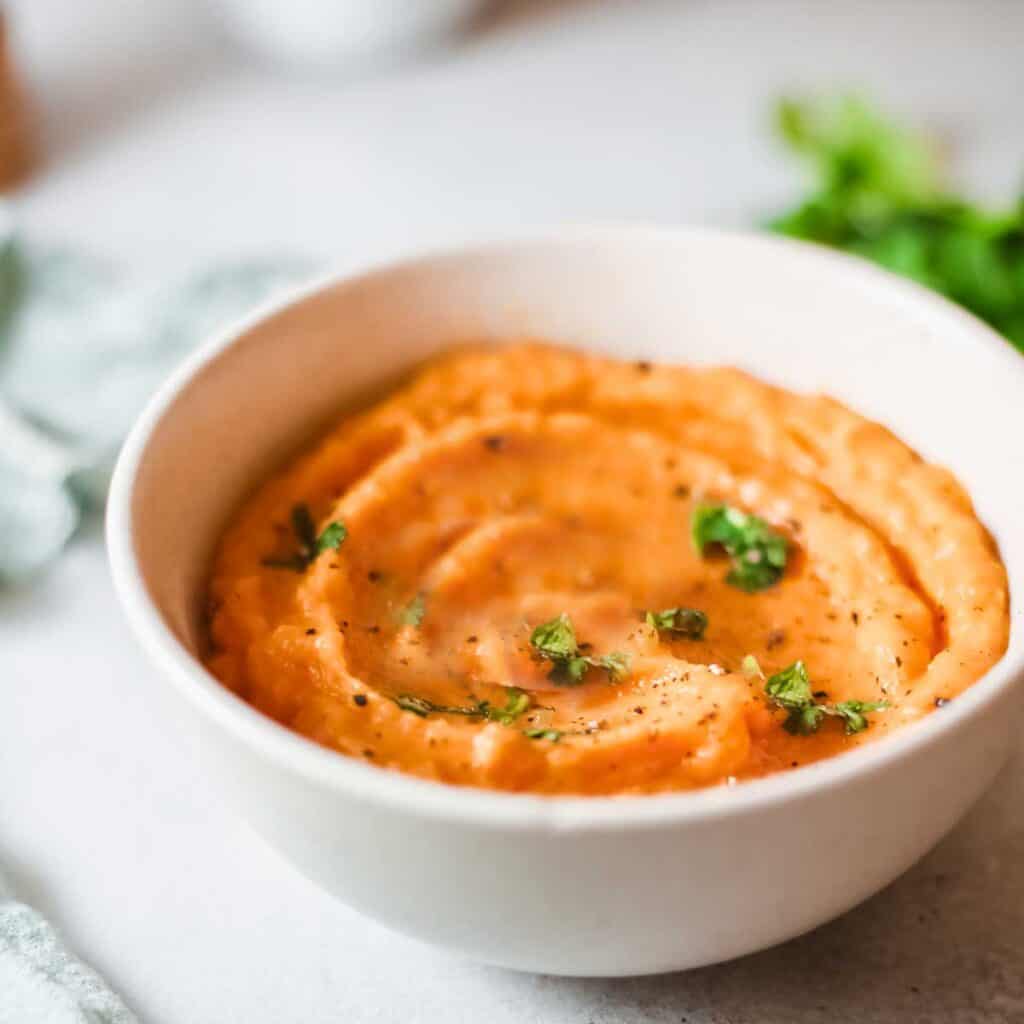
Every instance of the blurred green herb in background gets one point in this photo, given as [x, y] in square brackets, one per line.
[879, 193]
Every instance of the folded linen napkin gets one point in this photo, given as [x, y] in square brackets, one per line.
[41, 982]
[82, 346]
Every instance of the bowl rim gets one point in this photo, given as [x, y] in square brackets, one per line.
[484, 808]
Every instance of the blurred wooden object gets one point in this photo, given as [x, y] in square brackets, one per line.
[16, 151]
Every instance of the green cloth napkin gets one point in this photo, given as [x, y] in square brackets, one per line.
[82, 346]
[41, 982]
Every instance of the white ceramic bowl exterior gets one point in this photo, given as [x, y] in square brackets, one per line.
[580, 886]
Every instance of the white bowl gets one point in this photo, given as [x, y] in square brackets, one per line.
[584, 886]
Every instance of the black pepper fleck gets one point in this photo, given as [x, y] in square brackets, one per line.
[360, 700]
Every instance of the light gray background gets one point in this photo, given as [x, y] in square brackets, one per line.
[165, 149]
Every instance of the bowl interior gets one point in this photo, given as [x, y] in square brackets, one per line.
[793, 314]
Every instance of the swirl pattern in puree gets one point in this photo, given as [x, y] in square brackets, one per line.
[503, 488]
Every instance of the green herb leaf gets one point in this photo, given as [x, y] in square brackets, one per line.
[332, 537]
[516, 702]
[853, 712]
[804, 721]
[791, 687]
[556, 641]
[758, 552]
[615, 664]
[417, 705]
[687, 622]
[791, 690]
[412, 614]
[751, 667]
[554, 735]
[310, 545]
[569, 671]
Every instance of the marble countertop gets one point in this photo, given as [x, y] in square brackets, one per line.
[167, 149]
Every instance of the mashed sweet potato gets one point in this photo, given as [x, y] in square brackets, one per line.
[532, 569]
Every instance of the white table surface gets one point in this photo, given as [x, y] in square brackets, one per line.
[166, 149]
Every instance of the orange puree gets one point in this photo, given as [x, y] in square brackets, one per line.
[503, 488]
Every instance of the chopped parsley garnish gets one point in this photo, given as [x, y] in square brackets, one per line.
[412, 614]
[615, 664]
[310, 544]
[516, 703]
[852, 713]
[687, 622]
[417, 705]
[569, 671]
[555, 641]
[757, 551]
[332, 537]
[751, 667]
[554, 735]
[790, 689]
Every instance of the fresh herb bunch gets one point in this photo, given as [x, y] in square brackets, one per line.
[879, 194]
